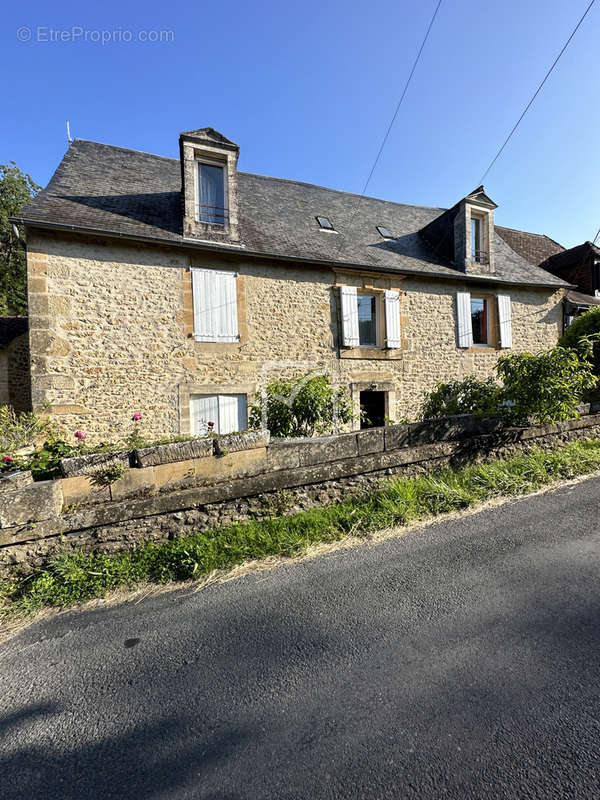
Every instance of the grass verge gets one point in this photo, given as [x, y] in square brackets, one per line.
[75, 577]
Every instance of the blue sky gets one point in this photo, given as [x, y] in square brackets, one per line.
[308, 88]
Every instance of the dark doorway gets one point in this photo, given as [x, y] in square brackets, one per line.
[372, 409]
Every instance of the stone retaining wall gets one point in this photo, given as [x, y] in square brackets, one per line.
[269, 480]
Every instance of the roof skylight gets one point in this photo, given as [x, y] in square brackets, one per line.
[325, 223]
[384, 232]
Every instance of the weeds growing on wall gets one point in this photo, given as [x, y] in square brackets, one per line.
[74, 577]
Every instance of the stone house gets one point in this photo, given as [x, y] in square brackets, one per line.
[176, 288]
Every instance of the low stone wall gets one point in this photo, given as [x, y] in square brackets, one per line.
[164, 500]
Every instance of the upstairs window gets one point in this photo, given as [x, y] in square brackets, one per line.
[326, 224]
[483, 321]
[212, 195]
[363, 316]
[215, 305]
[480, 321]
[367, 320]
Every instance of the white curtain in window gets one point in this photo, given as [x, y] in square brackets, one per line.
[350, 335]
[463, 319]
[505, 320]
[212, 193]
[215, 305]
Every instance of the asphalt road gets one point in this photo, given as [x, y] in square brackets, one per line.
[459, 661]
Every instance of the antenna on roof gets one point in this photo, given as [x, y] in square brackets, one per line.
[69, 137]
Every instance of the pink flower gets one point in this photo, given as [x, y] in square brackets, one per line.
[136, 417]
[8, 460]
[80, 435]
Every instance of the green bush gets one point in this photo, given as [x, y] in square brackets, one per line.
[536, 388]
[302, 407]
[582, 330]
[545, 386]
[469, 396]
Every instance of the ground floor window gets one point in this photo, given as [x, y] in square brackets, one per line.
[226, 412]
[372, 409]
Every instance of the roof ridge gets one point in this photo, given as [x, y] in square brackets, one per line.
[125, 149]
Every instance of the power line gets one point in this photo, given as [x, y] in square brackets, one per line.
[393, 120]
[537, 91]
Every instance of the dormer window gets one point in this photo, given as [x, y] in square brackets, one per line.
[477, 253]
[212, 193]
[209, 186]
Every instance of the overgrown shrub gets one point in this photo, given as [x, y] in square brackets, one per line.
[536, 387]
[545, 386]
[302, 407]
[22, 429]
[469, 396]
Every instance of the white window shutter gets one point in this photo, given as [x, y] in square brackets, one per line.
[215, 305]
[228, 321]
[505, 320]
[232, 413]
[392, 318]
[350, 337]
[204, 409]
[463, 319]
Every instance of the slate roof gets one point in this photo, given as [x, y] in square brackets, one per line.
[111, 190]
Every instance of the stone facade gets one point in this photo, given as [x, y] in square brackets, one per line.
[110, 333]
[15, 380]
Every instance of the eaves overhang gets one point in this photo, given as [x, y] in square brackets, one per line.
[237, 250]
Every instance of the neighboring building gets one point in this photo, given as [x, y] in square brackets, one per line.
[580, 266]
[15, 385]
[174, 288]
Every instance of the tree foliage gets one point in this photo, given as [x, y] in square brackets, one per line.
[469, 396]
[302, 407]
[580, 330]
[16, 189]
[545, 386]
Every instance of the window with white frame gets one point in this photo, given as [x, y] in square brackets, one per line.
[212, 193]
[361, 317]
[215, 305]
[218, 413]
[474, 320]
